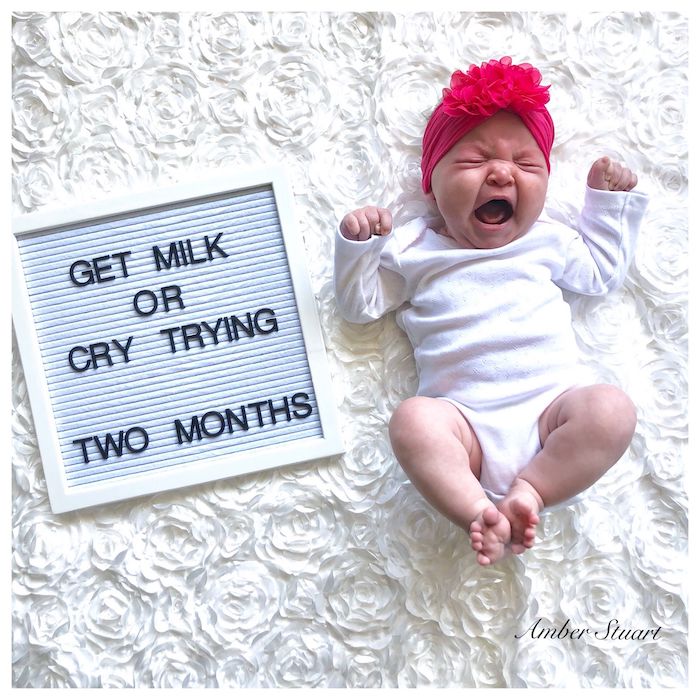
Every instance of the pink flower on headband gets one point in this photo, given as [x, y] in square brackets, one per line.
[495, 85]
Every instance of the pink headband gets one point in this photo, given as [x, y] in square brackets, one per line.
[477, 95]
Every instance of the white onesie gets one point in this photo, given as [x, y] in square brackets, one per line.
[490, 329]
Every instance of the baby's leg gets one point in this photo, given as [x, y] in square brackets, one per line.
[583, 433]
[439, 452]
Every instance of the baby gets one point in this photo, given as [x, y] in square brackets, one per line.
[506, 422]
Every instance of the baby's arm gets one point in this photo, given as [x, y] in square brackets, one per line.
[367, 279]
[597, 260]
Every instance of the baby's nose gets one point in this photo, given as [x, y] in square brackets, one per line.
[500, 173]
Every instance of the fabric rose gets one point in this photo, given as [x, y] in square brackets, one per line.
[238, 670]
[42, 118]
[665, 462]
[100, 165]
[430, 659]
[242, 598]
[660, 265]
[35, 184]
[405, 89]
[359, 602]
[658, 541]
[172, 611]
[481, 34]
[557, 534]
[369, 668]
[599, 669]
[369, 476]
[301, 529]
[357, 35]
[175, 539]
[110, 544]
[663, 99]
[219, 42]
[599, 524]
[163, 103]
[490, 601]
[548, 31]
[32, 35]
[177, 662]
[668, 610]
[167, 35]
[289, 30]
[299, 596]
[597, 597]
[668, 323]
[66, 669]
[294, 104]
[304, 654]
[92, 47]
[657, 663]
[46, 549]
[109, 616]
[487, 664]
[662, 400]
[415, 536]
[354, 170]
[611, 325]
[47, 619]
[240, 531]
[495, 85]
[612, 45]
[229, 105]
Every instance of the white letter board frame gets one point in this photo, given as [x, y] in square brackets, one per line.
[211, 465]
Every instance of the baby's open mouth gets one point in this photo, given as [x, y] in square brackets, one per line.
[495, 211]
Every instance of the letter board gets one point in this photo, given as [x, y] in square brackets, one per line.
[170, 338]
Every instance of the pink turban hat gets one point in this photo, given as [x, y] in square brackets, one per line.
[475, 96]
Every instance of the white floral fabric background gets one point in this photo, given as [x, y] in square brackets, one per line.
[336, 572]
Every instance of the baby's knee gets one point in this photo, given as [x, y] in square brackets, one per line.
[612, 412]
[410, 420]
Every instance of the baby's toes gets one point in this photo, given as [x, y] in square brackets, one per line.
[529, 536]
[477, 541]
[483, 559]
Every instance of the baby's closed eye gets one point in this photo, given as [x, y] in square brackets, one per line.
[527, 164]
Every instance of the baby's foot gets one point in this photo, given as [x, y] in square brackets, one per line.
[521, 507]
[490, 535]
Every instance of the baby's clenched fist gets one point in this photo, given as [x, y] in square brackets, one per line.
[361, 224]
[608, 174]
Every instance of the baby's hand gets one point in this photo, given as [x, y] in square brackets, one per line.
[608, 174]
[360, 224]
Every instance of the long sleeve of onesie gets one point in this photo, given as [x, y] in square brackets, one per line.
[597, 259]
[368, 281]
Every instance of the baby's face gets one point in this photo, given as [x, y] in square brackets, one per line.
[491, 185]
